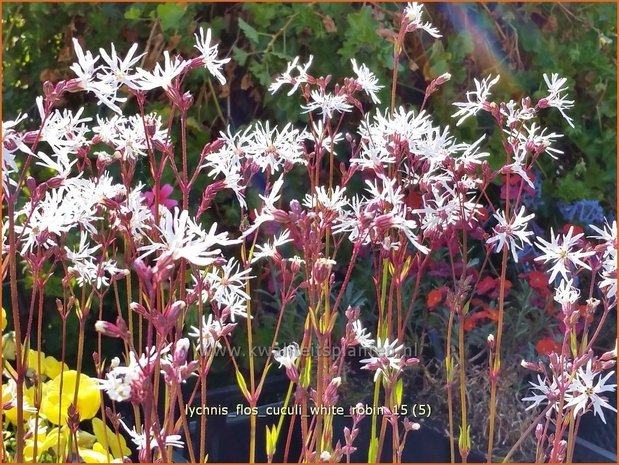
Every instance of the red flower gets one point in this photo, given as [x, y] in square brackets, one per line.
[491, 313]
[435, 297]
[487, 285]
[471, 321]
[547, 345]
[582, 309]
[538, 280]
[566, 228]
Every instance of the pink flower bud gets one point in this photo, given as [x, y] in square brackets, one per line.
[106, 328]
[322, 269]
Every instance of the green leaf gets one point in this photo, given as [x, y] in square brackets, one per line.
[306, 374]
[399, 389]
[242, 384]
[240, 55]
[249, 31]
[373, 450]
[133, 13]
[271, 440]
[170, 14]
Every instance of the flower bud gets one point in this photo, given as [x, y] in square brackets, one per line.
[172, 312]
[111, 330]
[322, 269]
[539, 431]
[491, 342]
[529, 365]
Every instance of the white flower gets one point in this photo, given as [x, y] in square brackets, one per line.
[269, 249]
[518, 165]
[562, 251]
[515, 114]
[89, 272]
[65, 131]
[319, 135]
[228, 280]
[386, 356]
[115, 387]
[585, 389]
[608, 235]
[181, 237]
[372, 157]
[209, 335]
[512, 234]
[413, 13]
[119, 380]
[141, 216]
[10, 138]
[58, 212]
[118, 70]
[287, 356]
[273, 148]
[161, 76]
[547, 392]
[85, 67]
[361, 336]
[267, 212]
[475, 99]
[566, 294]
[555, 99]
[236, 304]
[334, 201]
[139, 440]
[530, 137]
[327, 104]
[409, 228]
[608, 283]
[208, 55]
[287, 78]
[367, 80]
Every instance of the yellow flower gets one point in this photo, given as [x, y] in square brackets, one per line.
[29, 447]
[53, 367]
[8, 345]
[55, 437]
[94, 456]
[97, 454]
[11, 414]
[55, 403]
[33, 361]
[114, 445]
[4, 320]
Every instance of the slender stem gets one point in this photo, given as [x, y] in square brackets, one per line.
[449, 378]
[373, 437]
[252, 380]
[19, 434]
[181, 408]
[497, 357]
[571, 440]
[526, 433]
[450, 412]
[462, 378]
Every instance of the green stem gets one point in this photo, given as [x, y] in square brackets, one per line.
[462, 377]
[497, 357]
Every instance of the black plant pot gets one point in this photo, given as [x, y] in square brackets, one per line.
[228, 434]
